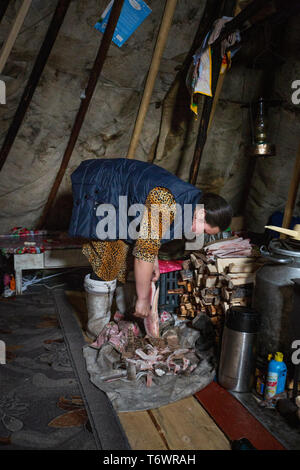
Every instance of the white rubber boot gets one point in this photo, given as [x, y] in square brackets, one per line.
[99, 297]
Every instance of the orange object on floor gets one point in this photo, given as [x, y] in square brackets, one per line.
[234, 419]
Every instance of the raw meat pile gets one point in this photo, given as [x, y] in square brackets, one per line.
[152, 360]
[151, 355]
[231, 248]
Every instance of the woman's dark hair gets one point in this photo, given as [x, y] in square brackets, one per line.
[218, 211]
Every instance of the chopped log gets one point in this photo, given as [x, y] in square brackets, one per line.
[208, 300]
[189, 287]
[183, 310]
[212, 269]
[188, 306]
[242, 291]
[223, 263]
[240, 302]
[186, 274]
[210, 281]
[226, 294]
[212, 310]
[210, 290]
[225, 306]
[186, 264]
[226, 280]
[199, 279]
[197, 262]
[242, 278]
[175, 291]
[246, 268]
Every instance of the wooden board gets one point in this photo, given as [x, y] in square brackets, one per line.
[187, 426]
[183, 425]
[141, 431]
[208, 421]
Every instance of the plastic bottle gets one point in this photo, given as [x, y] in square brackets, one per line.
[276, 376]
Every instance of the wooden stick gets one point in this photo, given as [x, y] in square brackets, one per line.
[93, 79]
[33, 80]
[293, 190]
[206, 118]
[14, 31]
[153, 70]
[220, 83]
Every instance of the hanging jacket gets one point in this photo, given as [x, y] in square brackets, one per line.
[102, 181]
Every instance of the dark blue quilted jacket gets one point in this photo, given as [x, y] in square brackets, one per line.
[103, 181]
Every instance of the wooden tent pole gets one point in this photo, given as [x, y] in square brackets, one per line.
[14, 31]
[293, 190]
[3, 7]
[220, 83]
[33, 80]
[153, 70]
[93, 79]
[206, 118]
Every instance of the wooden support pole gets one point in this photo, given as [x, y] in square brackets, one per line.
[219, 84]
[14, 31]
[153, 70]
[95, 73]
[209, 15]
[205, 117]
[33, 80]
[293, 190]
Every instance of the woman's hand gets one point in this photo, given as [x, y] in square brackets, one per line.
[142, 308]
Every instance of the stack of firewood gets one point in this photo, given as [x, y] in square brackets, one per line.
[212, 287]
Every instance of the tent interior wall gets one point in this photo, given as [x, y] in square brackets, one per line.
[169, 133]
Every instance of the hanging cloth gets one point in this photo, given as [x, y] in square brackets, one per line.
[199, 76]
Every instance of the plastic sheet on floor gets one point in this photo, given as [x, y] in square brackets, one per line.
[139, 394]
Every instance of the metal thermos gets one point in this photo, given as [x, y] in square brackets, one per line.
[238, 350]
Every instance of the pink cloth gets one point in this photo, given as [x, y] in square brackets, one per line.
[169, 266]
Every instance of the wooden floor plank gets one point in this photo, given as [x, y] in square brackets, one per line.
[141, 431]
[184, 425]
[187, 426]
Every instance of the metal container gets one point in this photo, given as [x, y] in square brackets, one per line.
[238, 350]
[273, 295]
